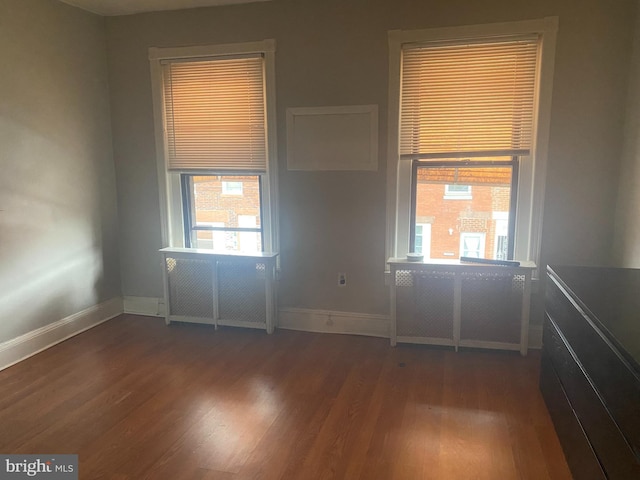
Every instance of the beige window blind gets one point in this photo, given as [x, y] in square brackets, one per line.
[479, 176]
[215, 114]
[468, 100]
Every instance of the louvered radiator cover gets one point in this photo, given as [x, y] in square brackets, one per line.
[220, 289]
[460, 304]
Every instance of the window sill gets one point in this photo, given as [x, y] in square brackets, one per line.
[535, 279]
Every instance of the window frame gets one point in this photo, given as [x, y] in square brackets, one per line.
[173, 232]
[532, 172]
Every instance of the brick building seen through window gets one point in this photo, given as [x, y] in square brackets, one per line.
[224, 212]
[457, 219]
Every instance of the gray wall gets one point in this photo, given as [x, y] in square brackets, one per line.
[334, 52]
[627, 241]
[58, 223]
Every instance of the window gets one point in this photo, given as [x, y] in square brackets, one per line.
[472, 106]
[213, 108]
[457, 192]
[465, 106]
[219, 221]
[231, 188]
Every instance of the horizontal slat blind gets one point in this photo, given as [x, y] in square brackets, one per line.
[490, 176]
[471, 99]
[215, 114]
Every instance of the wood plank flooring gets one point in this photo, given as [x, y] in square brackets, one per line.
[136, 399]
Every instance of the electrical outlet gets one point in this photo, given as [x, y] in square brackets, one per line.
[342, 279]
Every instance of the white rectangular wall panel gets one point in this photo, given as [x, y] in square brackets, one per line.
[333, 138]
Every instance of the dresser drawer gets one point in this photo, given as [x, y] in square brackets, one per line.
[612, 377]
[613, 451]
[581, 458]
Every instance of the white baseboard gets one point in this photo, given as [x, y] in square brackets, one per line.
[149, 306]
[310, 320]
[27, 345]
[326, 321]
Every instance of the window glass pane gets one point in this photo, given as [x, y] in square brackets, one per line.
[217, 240]
[229, 241]
[223, 200]
[474, 222]
[214, 240]
[224, 210]
[248, 241]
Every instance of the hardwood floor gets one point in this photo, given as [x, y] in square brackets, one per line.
[136, 399]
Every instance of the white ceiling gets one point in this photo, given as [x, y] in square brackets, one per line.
[127, 7]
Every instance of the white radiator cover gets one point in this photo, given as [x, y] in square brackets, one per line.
[202, 286]
[460, 304]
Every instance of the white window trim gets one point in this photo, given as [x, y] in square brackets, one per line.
[530, 191]
[172, 224]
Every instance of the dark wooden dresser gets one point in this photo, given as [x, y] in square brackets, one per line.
[590, 372]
